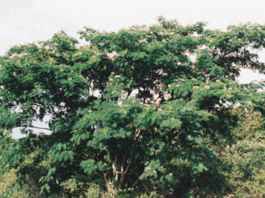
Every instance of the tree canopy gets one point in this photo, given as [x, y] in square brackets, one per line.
[145, 110]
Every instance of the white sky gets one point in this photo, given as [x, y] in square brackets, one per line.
[31, 20]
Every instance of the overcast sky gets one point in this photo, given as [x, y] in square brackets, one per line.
[32, 20]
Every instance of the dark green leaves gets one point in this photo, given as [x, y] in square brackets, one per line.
[144, 109]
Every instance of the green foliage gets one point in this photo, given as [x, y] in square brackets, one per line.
[144, 111]
[246, 156]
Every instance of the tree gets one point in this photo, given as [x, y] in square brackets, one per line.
[143, 110]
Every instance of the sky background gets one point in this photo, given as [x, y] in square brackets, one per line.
[23, 21]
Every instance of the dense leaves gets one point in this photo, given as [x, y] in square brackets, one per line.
[143, 110]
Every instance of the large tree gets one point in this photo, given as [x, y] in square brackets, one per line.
[147, 109]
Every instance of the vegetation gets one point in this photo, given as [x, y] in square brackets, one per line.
[150, 111]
